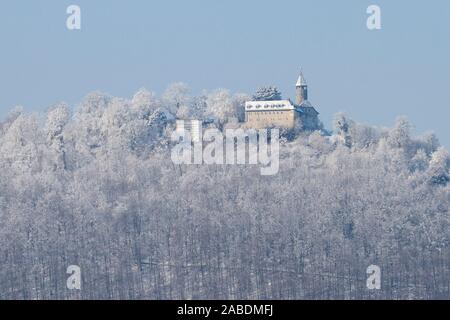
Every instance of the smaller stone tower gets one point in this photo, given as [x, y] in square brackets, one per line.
[301, 90]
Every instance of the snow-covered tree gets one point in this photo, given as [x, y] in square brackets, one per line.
[267, 94]
[239, 105]
[342, 125]
[57, 118]
[400, 135]
[141, 227]
[220, 106]
[175, 96]
[145, 102]
[439, 167]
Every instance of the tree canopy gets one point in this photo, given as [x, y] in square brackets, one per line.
[267, 94]
[97, 189]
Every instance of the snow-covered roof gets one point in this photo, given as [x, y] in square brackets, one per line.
[306, 104]
[301, 80]
[269, 105]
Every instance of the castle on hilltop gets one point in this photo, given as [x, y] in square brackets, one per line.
[272, 111]
[266, 110]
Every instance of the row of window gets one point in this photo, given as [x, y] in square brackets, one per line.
[268, 112]
[272, 119]
[266, 106]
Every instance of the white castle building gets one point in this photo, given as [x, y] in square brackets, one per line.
[283, 113]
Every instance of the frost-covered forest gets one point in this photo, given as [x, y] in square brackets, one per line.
[95, 187]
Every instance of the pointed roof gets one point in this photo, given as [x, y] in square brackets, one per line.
[307, 106]
[301, 80]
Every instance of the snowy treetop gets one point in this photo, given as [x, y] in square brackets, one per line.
[267, 94]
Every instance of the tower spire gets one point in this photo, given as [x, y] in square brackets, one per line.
[301, 80]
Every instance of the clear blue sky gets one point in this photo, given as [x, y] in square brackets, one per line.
[374, 76]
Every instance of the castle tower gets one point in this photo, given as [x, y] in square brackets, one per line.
[301, 90]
